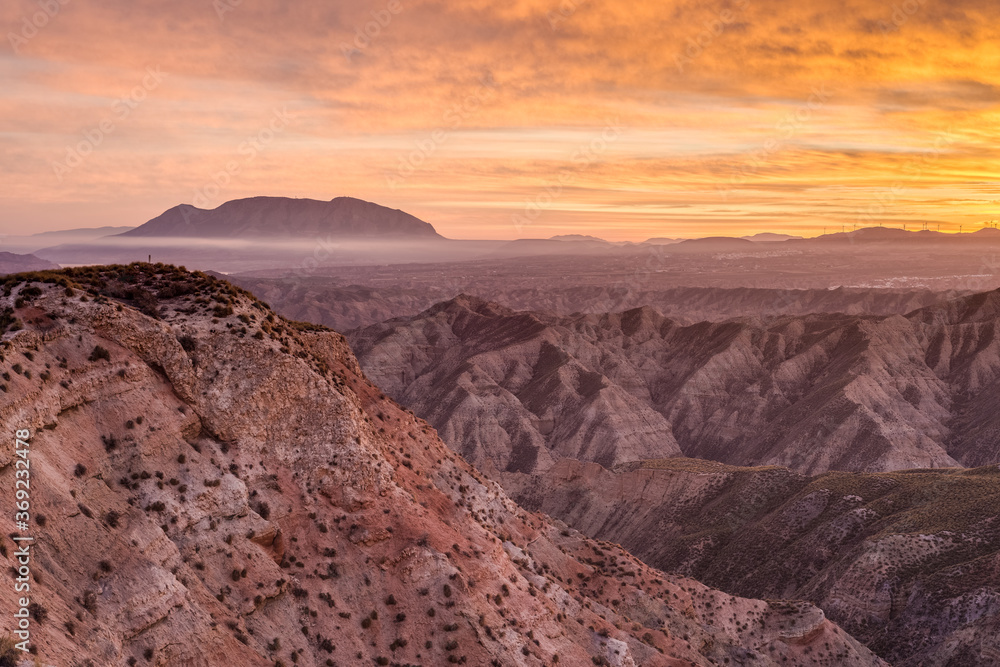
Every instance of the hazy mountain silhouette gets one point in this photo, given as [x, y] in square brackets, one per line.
[285, 218]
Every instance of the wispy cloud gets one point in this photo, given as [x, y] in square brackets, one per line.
[561, 69]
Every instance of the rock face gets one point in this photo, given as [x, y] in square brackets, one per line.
[906, 562]
[516, 391]
[13, 263]
[214, 485]
[284, 218]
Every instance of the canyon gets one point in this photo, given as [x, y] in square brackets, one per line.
[905, 561]
[516, 391]
[214, 484]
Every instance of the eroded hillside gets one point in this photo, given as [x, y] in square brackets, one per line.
[214, 485]
[905, 561]
[516, 391]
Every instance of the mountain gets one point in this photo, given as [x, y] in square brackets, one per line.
[906, 562]
[211, 484]
[12, 263]
[909, 238]
[556, 246]
[516, 391]
[713, 244]
[34, 242]
[284, 218]
[79, 234]
[576, 237]
[769, 237]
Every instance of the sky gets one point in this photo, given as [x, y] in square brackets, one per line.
[530, 118]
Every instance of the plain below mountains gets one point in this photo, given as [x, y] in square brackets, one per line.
[341, 304]
[517, 391]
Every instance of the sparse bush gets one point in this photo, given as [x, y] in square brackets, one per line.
[263, 509]
[9, 654]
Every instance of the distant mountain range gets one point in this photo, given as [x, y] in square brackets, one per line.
[265, 233]
[30, 243]
[13, 263]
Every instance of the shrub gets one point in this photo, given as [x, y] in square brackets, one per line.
[99, 353]
[9, 654]
[38, 612]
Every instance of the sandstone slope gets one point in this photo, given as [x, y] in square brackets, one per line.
[905, 561]
[214, 485]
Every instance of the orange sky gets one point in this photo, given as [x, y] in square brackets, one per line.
[625, 120]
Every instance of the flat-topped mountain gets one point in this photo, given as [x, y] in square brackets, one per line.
[284, 218]
[517, 391]
[214, 485]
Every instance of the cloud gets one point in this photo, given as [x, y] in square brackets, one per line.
[695, 84]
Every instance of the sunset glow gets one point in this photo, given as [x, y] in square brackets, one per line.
[622, 120]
